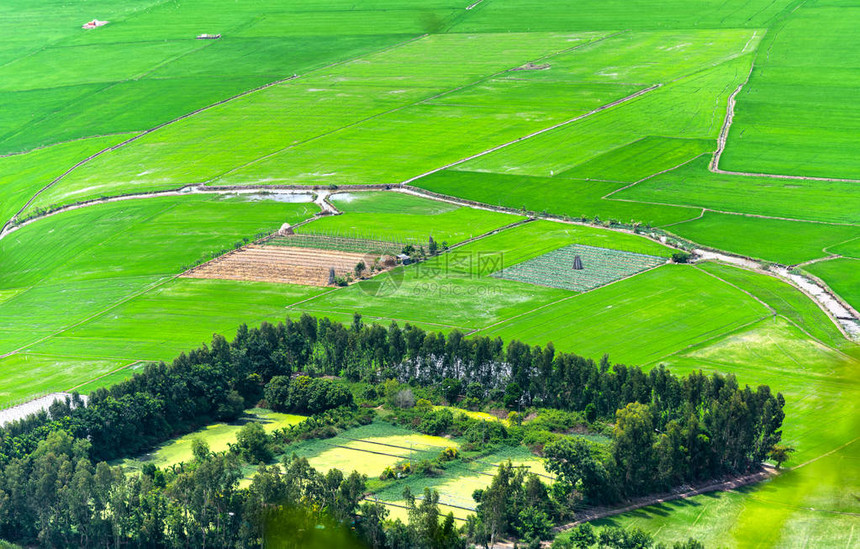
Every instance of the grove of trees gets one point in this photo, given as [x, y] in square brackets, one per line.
[57, 490]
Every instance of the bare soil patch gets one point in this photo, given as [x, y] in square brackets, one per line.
[281, 264]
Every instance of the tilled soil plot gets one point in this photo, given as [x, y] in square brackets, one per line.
[308, 266]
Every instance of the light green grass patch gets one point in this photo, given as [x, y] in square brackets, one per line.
[843, 277]
[216, 436]
[370, 449]
[460, 480]
[179, 315]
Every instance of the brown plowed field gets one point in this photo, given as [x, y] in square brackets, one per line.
[282, 264]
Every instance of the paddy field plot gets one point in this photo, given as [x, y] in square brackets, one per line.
[850, 248]
[693, 185]
[386, 86]
[691, 107]
[405, 218]
[784, 299]
[103, 256]
[782, 241]
[534, 15]
[60, 82]
[597, 267]
[22, 175]
[681, 304]
[798, 115]
[555, 195]
[842, 276]
[176, 316]
[27, 375]
[635, 161]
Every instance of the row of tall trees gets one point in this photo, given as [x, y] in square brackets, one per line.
[687, 428]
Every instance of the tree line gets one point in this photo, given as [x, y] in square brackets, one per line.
[686, 428]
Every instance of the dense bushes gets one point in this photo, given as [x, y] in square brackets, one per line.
[305, 395]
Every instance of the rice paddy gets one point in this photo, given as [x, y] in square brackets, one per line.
[609, 111]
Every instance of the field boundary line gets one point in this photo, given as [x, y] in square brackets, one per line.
[536, 133]
[756, 267]
[647, 177]
[691, 346]
[824, 455]
[741, 214]
[736, 287]
[824, 249]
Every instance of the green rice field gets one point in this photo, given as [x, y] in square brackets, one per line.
[597, 113]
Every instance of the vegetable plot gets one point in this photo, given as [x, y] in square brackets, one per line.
[599, 266]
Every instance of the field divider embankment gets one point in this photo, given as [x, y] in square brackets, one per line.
[140, 135]
[723, 138]
[190, 114]
[592, 112]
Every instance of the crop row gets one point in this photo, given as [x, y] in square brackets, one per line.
[338, 243]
